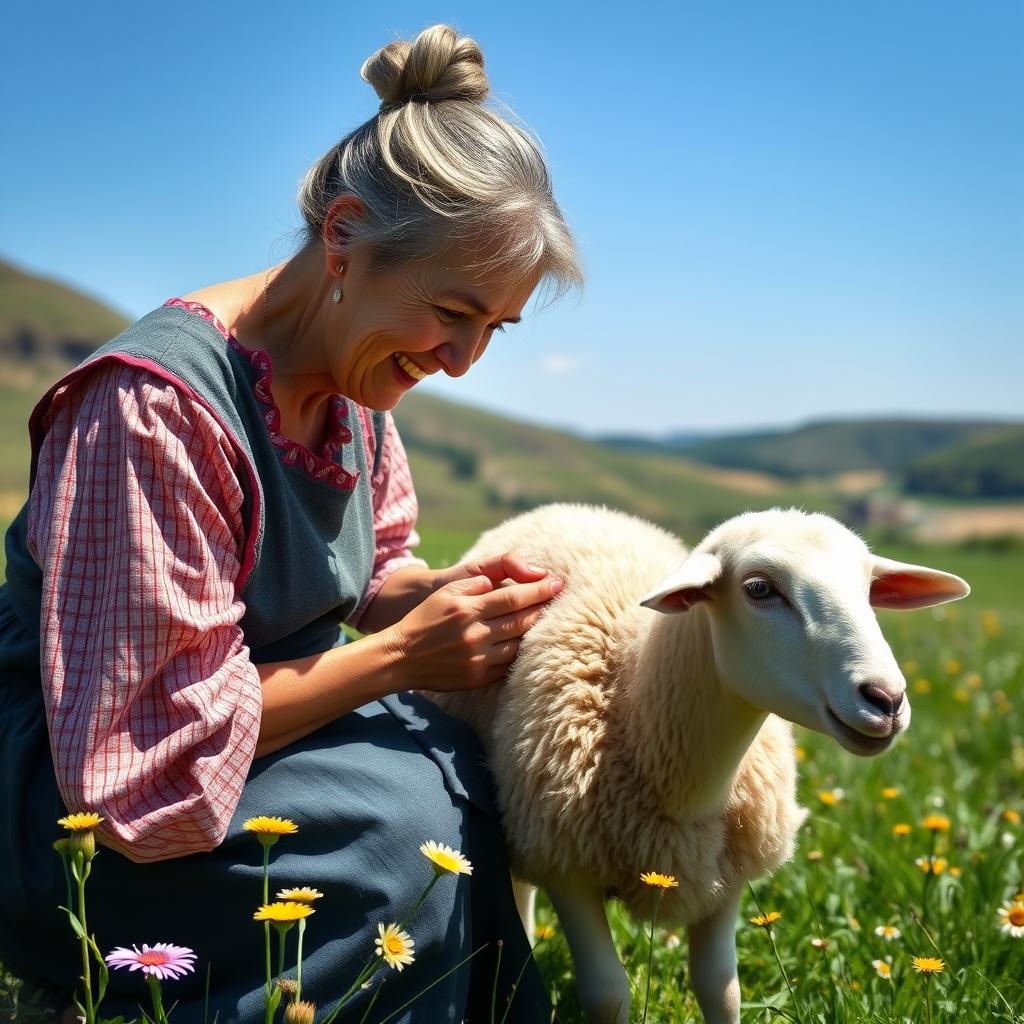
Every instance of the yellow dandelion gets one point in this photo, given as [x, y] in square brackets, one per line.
[299, 1013]
[80, 822]
[973, 681]
[901, 829]
[934, 865]
[444, 858]
[890, 792]
[766, 920]
[922, 686]
[661, 881]
[281, 913]
[1012, 816]
[990, 623]
[543, 932]
[882, 969]
[301, 895]
[953, 666]
[394, 945]
[928, 965]
[830, 797]
[801, 754]
[955, 872]
[935, 823]
[269, 830]
[855, 985]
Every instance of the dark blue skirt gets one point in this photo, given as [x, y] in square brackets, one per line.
[365, 792]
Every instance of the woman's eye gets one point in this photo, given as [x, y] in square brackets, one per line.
[760, 590]
[453, 315]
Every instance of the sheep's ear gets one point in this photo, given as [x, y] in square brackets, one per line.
[903, 586]
[686, 586]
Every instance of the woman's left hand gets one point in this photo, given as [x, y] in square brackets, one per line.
[497, 568]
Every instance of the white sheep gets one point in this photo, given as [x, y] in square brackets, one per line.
[626, 741]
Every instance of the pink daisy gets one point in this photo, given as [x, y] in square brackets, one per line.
[163, 960]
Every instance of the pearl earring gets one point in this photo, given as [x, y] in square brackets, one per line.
[337, 291]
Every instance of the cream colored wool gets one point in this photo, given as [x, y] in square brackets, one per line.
[601, 741]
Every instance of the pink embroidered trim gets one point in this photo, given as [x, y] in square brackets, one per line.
[319, 466]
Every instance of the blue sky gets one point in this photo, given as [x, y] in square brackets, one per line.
[786, 211]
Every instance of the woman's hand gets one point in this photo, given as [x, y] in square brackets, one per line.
[466, 634]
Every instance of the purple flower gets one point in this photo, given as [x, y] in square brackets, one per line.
[163, 960]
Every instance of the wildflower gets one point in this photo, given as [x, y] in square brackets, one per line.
[922, 686]
[890, 792]
[910, 667]
[934, 865]
[990, 623]
[901, 829]
[801, 754]
[163, 961]
[935, 823]
[82, 822]
[814, 855]
[1007, 839]
[953, 666]
[961, 696]
[673, 941]
[288, 986]
[300, 895]
[281, 913]
[766, 920]
[928, 965]
[394, 945]
[1011, 918]
[888, 932]
[1012, 816]
[544, 931]
[830, 797]
[854, 924]
[299, 1013]
[821, 944]
[269, 830]
[882, 969]
[444, 858]
[955, 872]
[661, 881]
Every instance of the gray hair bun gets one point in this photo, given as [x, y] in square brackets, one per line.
[438, 65]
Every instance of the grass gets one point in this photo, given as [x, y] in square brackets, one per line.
[963, 757]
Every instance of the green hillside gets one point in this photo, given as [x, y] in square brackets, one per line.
[835, 446]
[988, 464]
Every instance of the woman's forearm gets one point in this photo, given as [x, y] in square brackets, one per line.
[301, 695]
[402, 591]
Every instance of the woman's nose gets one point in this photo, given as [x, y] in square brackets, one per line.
[457, 358]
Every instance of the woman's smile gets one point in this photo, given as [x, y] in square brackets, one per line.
[408, 370]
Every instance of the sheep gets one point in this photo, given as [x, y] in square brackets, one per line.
[624, 740]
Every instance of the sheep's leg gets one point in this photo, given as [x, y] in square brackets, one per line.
[601, 980]
[525, 896]
[713, 964]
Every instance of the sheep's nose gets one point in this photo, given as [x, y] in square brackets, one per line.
[886, 702]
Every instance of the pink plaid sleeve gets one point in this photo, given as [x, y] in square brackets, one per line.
[394, 516]
[153, 704]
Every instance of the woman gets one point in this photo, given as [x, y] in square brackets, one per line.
[211, 493]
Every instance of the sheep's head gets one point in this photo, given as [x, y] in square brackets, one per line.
[790, 596]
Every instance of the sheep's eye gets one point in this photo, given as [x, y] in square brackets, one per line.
[760, 590]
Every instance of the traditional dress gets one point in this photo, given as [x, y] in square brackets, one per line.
[173, 540]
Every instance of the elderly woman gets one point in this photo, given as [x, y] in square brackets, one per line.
[212, 493]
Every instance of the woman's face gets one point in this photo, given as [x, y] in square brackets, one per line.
[401, 325]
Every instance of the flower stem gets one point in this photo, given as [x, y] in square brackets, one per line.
[158, 1005]
[494, 987]
[80, 876]
[298, 972]
[650, 957]
[269, 1016]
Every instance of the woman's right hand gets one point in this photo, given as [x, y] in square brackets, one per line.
[466, 634]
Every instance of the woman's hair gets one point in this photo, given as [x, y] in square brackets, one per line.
[435, 167]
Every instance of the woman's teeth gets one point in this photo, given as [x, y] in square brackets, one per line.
[410, 368]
